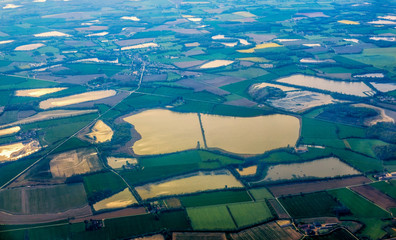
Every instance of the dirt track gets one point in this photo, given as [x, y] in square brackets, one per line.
[6, 218]
[115, 214]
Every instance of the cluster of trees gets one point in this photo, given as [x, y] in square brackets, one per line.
[387, 133]
[347, 111]
[383, 131]
[386, 153]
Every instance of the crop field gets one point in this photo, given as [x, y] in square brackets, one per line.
[119, 200]
[389, 188]
[247, 214]
[198, 235]
[214, 198]
[375, 196]
[357, 204]
[260, 194]
[55, 199]
[186, 158]
[365, 146]
[116, 228]
[40, 200]
[101, 185]
[91, 68]
[268, 231]
[13, 82]
[211, 218]
[310, 205]
[363, 209]
[11, 200]
[379, 58]
[358, 161]
[297, 188]
[10, 170]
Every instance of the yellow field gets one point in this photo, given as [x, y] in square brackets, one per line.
[100, 132]
[254, 135]
[164, 131]
[78, 98]
[29, 47]
[37, 92]
[254, 59]
[143, 45]
[249, 171]
[201, 181]
[119, 200]
[260, 46]
[348, 22]
[52, 34]
[75, 162]
[216, 63]
[8, 131]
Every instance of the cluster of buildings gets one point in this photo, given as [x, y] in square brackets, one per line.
[316, 228]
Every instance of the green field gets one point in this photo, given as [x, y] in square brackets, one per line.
[56, 199]
[202, 158]
[260, 194]
[15, 82]
[364, 211]
[359, 206]
[117, 228]
[11, 200]
[389, 188]
[310, 205]
[214, 198]
[378, 57]
[211, 218]
[92, 68]
[39, 200]
[247, 214]
[365, 146]
[10, 170]
[358, 161]
[102, 185]
[248, 73]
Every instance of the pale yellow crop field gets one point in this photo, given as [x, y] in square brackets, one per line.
[78, 98]
[101, 132]
[119, 200]
[8, 131]
[260, 46]
[249, 171]
[37, 92]
[348, 22]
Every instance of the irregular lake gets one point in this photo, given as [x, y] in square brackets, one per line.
[321, 168]
[350, 88]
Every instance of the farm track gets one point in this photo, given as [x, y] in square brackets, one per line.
[75, 134]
